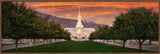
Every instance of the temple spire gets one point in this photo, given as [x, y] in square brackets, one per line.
[79, 23]
[79, 11]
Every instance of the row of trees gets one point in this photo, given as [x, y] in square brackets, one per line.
[20, 22]
[139, 24]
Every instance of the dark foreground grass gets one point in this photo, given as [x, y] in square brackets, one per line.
[75, 46]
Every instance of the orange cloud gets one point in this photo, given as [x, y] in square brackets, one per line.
[99, 12]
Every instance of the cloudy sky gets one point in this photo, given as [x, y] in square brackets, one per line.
[98, 12]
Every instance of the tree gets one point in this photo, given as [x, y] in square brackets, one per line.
[139, 23]
[45, 29]
[20, 22]
[52, 30]
[100, 33]
[124, 28]
[146, 25]
[111, 34]
[92, 36]
[35, 31]
[16, 17]
[153, 26]
[65, 35]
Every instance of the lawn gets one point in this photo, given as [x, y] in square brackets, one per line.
[75, 46]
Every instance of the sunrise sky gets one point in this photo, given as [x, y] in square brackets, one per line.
[98, 12]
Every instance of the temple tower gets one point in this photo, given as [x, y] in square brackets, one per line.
[79, 23]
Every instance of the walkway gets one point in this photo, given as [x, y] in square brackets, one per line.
[21, 45]
[150, 48]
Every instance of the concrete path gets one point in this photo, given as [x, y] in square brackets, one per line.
[150, 48]
[22, 45]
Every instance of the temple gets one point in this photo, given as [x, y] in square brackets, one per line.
[79, 33]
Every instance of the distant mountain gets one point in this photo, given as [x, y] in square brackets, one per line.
[70, 23]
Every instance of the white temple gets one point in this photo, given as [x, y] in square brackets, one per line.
[79, 33]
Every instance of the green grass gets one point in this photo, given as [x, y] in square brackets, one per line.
[75, 46]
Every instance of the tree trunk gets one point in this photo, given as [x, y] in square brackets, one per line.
[54, 40]
[38, 40]
[20, 41]
[34, 42]
[140, 46]
[113, 42]
[50, 40]
[124, 44]
[44, 42]
[98, 40]
[150, 42]
[101, 41]
[16, 45]
[57, 40]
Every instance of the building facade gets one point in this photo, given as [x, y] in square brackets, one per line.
[79, 33]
